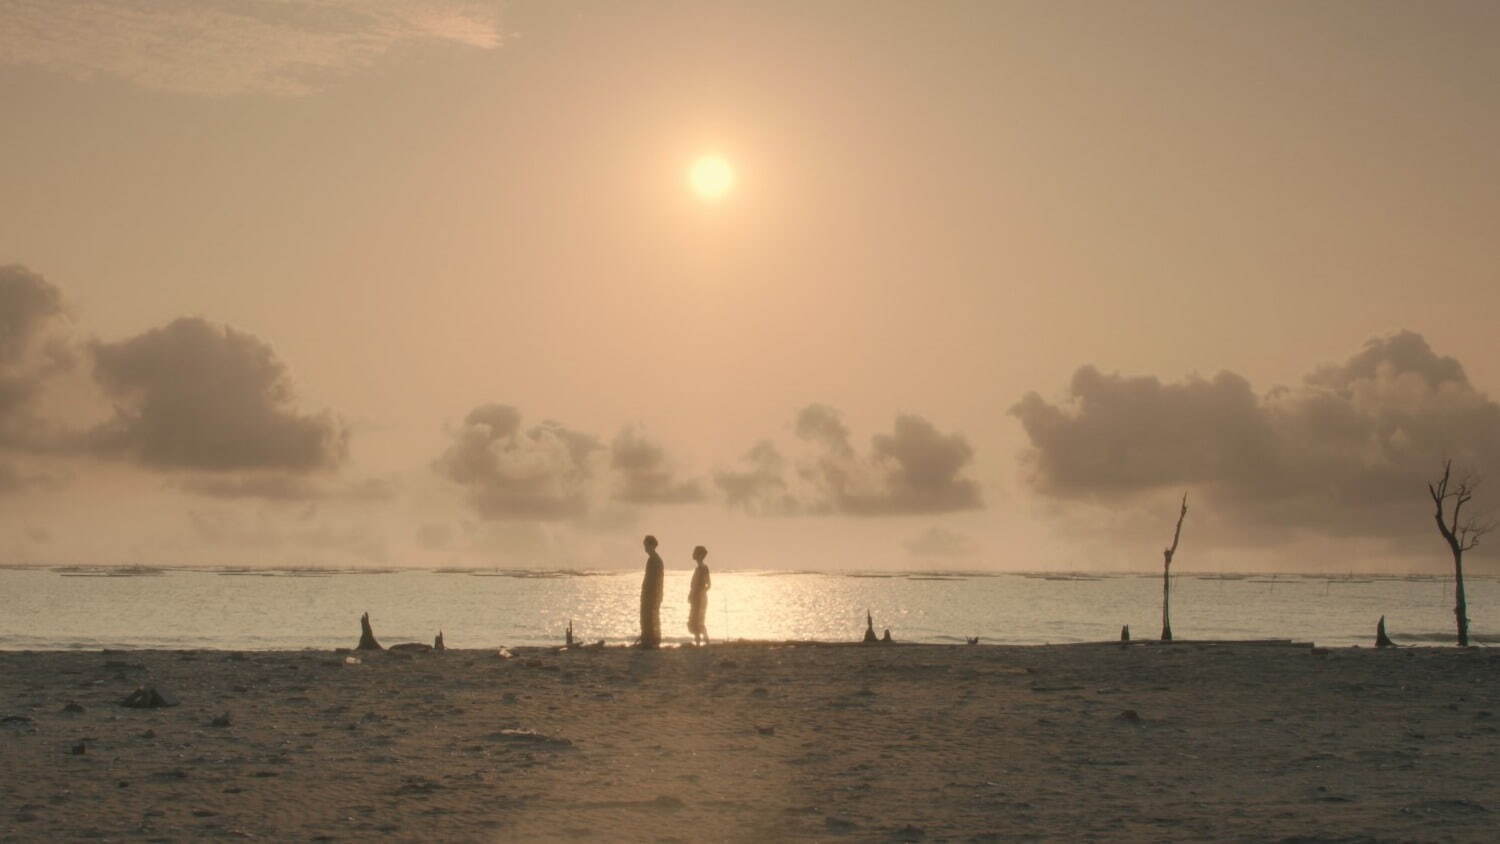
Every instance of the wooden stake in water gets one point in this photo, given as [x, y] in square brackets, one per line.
[1166, 576]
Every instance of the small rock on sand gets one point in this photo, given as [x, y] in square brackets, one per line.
[147, 697]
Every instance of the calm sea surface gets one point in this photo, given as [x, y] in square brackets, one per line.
[83, 607]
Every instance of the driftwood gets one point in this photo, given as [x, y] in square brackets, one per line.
[367, 636]
[1382, 640]
[973, 640]
[1274, 643]
[410, 647]
[1166, 576]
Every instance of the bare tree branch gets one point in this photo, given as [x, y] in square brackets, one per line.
[1472, 530]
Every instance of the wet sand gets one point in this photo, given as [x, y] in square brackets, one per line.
[757, 742]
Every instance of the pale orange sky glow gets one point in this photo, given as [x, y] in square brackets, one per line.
[979, 285]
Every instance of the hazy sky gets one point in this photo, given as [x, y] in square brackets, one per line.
[421, 282]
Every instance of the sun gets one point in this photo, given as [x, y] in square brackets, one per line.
[711, 177]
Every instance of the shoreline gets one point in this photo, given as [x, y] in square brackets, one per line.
[756, 741]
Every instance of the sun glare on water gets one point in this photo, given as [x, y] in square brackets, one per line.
[711, 177]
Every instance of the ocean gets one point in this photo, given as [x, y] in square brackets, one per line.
[83, 607]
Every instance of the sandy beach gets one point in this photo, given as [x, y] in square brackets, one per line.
[756, 742]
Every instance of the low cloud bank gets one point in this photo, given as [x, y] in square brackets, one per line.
[646, 474]
[1345, 453]
[194, 395]
[33, 348]
[207, 402]
[550, 472]
[914, 469]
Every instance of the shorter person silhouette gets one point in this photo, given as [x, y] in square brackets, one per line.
[698, 598]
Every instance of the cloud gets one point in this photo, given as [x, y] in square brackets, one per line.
[544, 472]
[1124, 433]
[32, 350]
[941, 542]
[1346, 453]
[822, 424]
[919, 472]
[761, 487]
[222, 47]
[194, 395]
[914, 469]
[645, 474]
[27, 303]
[550, 472]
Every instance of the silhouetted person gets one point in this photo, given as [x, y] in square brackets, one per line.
[698, 598]
[651, 590]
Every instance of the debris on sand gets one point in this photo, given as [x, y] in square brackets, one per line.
[147, 697]
[531, 738]
[19, 723]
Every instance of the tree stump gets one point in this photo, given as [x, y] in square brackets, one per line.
[870, 628]
[367, 636]
[1382, 640]
[1124, 632]
[437, 644]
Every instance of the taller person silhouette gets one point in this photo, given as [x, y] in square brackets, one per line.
[651, 592]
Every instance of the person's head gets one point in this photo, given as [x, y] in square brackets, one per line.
[649, 542]
[699, 553]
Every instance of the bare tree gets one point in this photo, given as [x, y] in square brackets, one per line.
[1461, 534]
[1166, 576]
